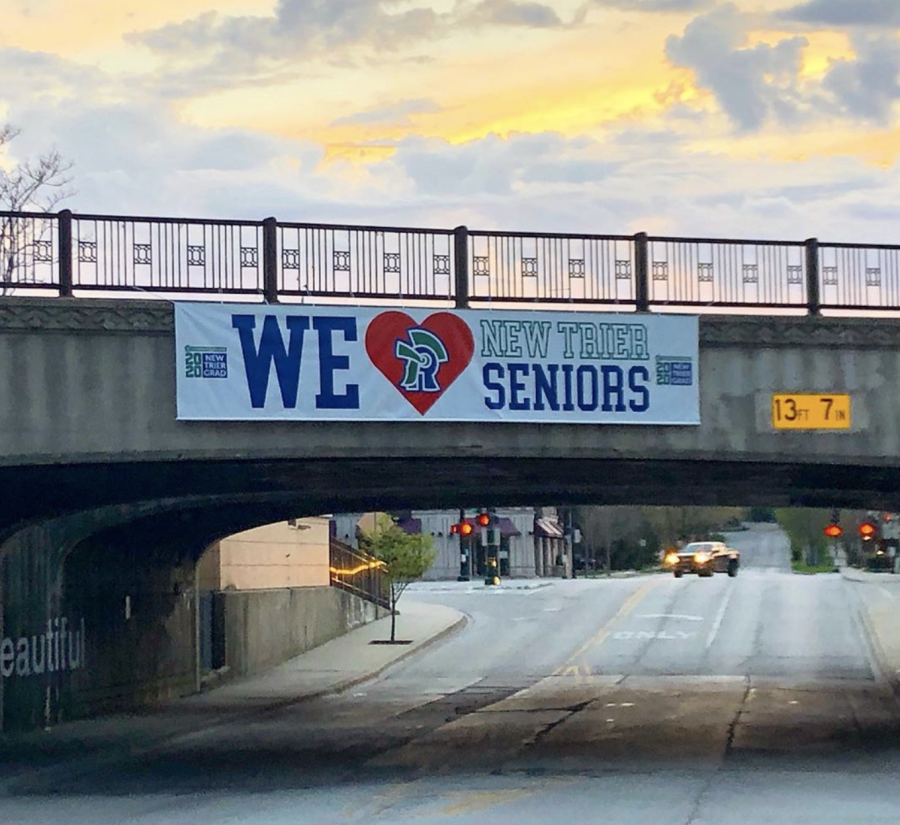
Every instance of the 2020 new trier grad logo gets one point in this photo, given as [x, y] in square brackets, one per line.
[206, 362]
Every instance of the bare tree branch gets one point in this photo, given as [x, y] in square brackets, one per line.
[33, 185]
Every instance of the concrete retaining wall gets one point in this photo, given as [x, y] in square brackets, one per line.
[262, 628]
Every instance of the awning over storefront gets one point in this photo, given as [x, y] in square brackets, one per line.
[507, 528]
[548, 528]
[413, 526]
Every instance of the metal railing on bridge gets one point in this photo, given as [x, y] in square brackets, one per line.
[358, 573]
[73, 254]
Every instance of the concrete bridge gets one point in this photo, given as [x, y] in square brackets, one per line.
[104, 494]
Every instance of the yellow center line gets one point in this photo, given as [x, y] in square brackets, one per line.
[601, 635]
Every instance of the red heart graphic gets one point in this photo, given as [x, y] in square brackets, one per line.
[387, 328]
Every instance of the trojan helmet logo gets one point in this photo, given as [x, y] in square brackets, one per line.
[422, 355]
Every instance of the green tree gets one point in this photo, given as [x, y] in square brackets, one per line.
[804, 526]
[405, 558]
[764, 514]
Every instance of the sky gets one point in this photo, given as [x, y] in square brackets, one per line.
[750, 119]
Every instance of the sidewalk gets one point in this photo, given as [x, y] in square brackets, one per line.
[879, 612]
[329, 668]
[478, 586]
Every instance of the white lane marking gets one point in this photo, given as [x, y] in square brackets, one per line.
[552, 609]
[647, 635]
[718, 620]
[671, 616]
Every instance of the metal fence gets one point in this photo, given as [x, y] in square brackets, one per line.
[733, 273]
[365, 262]
[358, 573]
[29, 246]
[519, 266]
[267, 260]
[166, 255]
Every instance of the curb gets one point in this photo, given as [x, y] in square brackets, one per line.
[878, 655]
[78, 766]
[458, 625]
[885, 673]
[865, 577]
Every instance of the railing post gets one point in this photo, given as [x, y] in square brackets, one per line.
[641, 272]
[64, 228]
[461, 271]
[270, 260]
[813, 295]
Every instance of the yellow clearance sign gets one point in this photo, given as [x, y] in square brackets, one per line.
[811, 411]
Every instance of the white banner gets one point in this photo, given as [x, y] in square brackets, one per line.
[320, 363]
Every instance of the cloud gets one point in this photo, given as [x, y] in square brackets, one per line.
[752, 84]
[760, 85]
[298, 30]
[494, 166]
[395, 114]
[215, 50]
[31, 74]
[869, 86]
[512, 13]
[673, 6]
[845, 13]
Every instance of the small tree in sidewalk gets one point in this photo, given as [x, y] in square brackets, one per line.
[405, 558]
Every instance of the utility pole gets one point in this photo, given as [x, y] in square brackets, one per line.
[466, 567]
[607, 532]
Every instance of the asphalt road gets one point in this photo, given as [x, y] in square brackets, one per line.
[641, 700]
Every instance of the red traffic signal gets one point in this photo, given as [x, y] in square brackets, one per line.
[833, 531]
[867, 529]
[484, 519]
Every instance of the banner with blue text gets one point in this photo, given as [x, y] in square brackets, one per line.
[324, 363]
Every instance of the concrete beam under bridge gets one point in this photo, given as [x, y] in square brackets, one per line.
[347, 485]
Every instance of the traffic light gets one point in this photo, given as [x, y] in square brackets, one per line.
[486, 518]
[867, 530]
[492, 572]
[833, 531]
[464, 528]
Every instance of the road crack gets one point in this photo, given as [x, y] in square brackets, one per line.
[714, 775]
[569, 711]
